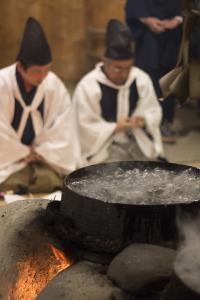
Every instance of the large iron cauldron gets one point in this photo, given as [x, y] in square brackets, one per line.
[107, 227]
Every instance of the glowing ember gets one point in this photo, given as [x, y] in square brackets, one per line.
[35, 272]
[60, 256]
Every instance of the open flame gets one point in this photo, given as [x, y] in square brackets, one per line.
[35, 272]
[60, 256]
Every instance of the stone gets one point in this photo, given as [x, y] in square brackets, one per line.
[141, 268]
[82, 281]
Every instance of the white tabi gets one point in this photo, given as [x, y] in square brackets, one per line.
[96, 134]
[55, 136]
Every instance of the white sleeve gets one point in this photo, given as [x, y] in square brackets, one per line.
[94, 131]
[148, 104]
[12, 150]
[149, 108]
[58, 143]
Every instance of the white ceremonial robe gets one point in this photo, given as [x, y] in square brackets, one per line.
[55, 135]
[96, 134]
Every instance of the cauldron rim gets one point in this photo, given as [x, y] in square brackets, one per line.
[167, 166]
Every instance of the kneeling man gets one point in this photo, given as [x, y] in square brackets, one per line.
[117, 111]
[37, 131]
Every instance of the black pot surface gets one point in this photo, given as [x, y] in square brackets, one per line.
[104, 215]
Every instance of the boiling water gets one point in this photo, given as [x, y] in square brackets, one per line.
[140, 187]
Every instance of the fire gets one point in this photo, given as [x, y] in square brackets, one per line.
[60, 256]
[36, 271]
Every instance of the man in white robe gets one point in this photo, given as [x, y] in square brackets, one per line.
[38, 137]
[117, 111]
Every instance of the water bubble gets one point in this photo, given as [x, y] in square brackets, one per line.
[139, 186]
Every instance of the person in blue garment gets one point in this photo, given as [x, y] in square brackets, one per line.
[156, 29]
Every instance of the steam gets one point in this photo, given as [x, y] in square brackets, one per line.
[187, 264]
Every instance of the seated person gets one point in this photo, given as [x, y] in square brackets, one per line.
[36, 120]
[118, 114]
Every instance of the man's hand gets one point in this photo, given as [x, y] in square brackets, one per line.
[123, 124]
[33, 156]
[171, 23]
[137, 122]
[154, 24]
[133, 122]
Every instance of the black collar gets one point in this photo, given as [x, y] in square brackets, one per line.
[26, 96]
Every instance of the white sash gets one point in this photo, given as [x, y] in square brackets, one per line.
[30, 109]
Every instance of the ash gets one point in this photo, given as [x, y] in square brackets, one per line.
[137, 186]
